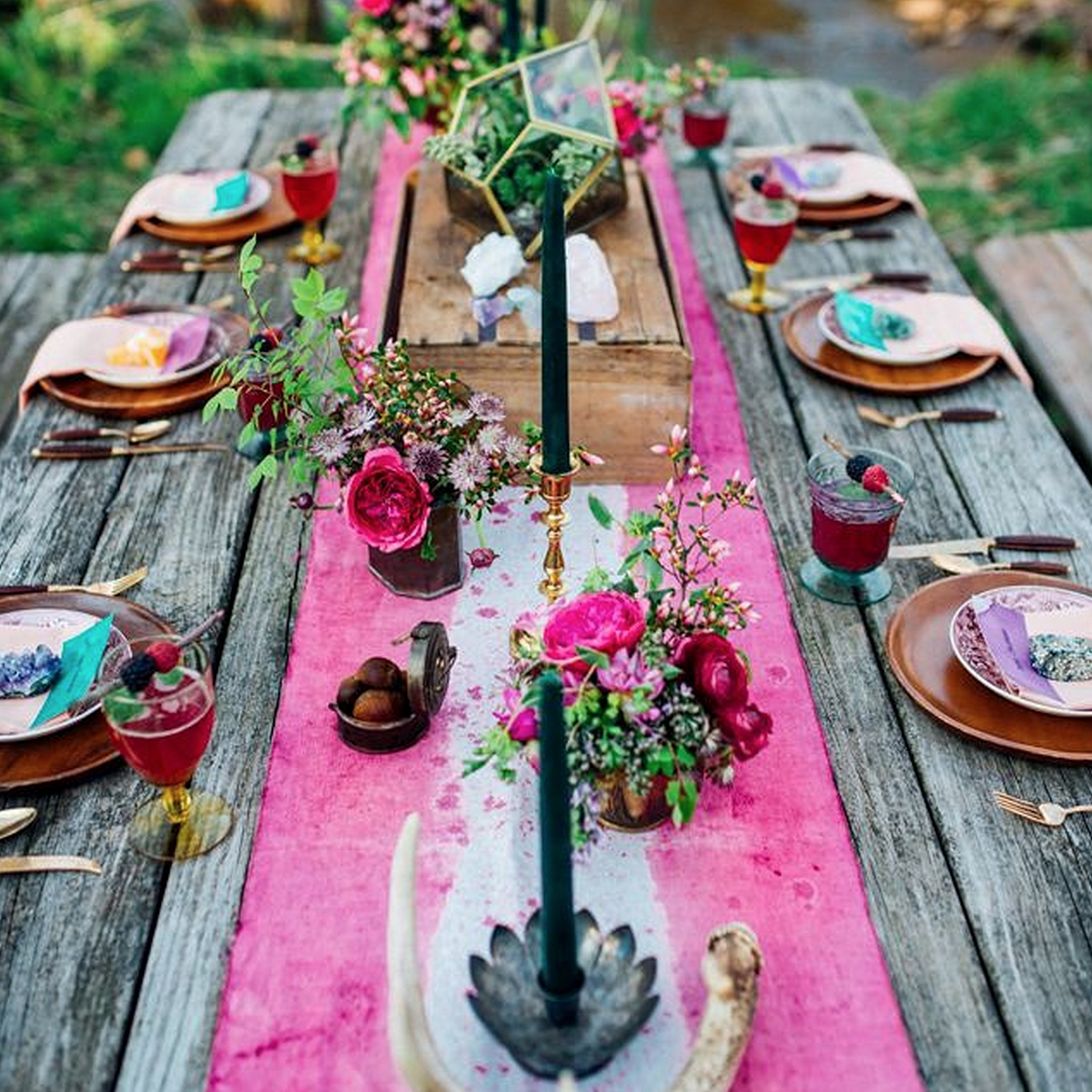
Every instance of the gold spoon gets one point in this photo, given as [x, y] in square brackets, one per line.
[138, 434]
[953, 563]
[13, 820]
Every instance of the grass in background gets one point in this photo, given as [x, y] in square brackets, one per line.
[1006, 150]
[87, 104]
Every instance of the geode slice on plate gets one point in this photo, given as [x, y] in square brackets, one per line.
[24, 674]
[1061, 658]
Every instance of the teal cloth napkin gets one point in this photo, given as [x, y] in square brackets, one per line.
[80, 659]
[231, 193]
[869, 325]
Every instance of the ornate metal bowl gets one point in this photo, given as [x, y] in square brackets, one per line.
[614, 1003]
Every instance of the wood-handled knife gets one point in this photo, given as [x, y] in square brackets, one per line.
[1046, 543]
[833, 282]
[11, 865]
[107, 451]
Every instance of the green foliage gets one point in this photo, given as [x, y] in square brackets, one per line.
[87, 104]
[1004, 150]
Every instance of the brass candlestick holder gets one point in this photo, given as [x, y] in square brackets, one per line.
[555, 490]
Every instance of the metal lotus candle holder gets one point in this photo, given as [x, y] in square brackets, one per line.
[580, 1034]
[555, 490]
[729, 970]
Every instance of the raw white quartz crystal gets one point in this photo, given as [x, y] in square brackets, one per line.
[492, 263]
[593, 296]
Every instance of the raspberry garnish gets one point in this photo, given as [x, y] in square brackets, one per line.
[773, 190]
[165, 654]
[875, 479]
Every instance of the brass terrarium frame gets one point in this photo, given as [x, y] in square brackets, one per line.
[608, 142]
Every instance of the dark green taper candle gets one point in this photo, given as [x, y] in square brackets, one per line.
[512, 18]
[541, 16]
[555, 332]
[560, 972]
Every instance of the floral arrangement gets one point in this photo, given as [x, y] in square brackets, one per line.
[406, 60]
[656, 694]
[397, 439]
[638, 117]
[700, 80]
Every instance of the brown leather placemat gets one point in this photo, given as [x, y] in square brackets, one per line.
[81, 392]
[75, 752]
[922, 659]
[275, 215]
[806, 342]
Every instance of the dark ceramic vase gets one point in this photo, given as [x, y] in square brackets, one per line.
[405, 572]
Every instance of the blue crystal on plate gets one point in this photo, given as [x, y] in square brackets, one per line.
[24, 674]
[1061, 658]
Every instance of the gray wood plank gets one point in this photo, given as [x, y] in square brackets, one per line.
[906, 875]
[969, 479]
[1044, 281]
[193, 524]
[160, 1054]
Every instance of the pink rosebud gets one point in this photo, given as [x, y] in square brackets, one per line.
[481, 557]
[412, 82]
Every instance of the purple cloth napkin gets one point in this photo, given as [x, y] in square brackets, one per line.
[1007, 638]
[186, 342]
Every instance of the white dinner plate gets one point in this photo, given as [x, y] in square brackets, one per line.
[190, 208]
[972, 651]
[832, 330]
[63, 621]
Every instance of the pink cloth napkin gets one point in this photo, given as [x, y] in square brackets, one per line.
[85, 343]
[943, 318]
[861, 172]
[148, 200]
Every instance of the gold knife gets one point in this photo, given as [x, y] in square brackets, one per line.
[106, 451]
[49, 864]
[1047, 543]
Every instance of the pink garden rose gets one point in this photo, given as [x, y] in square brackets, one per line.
[375, 8]
[605, 621]
[386, 504]
[520, 720]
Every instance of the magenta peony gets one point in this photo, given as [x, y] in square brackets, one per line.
[375, 8]
[715, 672]
[386, 505]
[605, 621]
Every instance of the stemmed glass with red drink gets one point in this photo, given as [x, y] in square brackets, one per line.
[705, 123]
[855, 504]
[162, 732]
[309, 172]
[764, 221]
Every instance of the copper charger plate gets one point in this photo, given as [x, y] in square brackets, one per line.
[868, 208]
[85, 747]
[81, 392]
[275, 215]
[922, 659]
[800, 327]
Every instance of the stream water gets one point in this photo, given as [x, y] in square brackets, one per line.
[859, 43]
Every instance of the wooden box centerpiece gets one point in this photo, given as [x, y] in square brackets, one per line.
[629, 379]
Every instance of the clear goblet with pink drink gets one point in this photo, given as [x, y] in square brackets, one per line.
[162, 730]
[763, 219]
[309, 173]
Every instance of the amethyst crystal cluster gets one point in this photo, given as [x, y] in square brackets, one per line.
[24, 674]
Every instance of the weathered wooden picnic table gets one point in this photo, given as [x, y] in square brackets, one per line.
[985, 921]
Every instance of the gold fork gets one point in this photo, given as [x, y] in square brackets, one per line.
[1049, 815]
[103, 587]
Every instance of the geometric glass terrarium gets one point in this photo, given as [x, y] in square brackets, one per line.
[546, 110]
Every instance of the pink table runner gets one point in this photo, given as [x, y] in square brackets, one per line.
[304, 1005]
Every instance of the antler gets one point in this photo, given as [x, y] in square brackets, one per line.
[729, 969]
